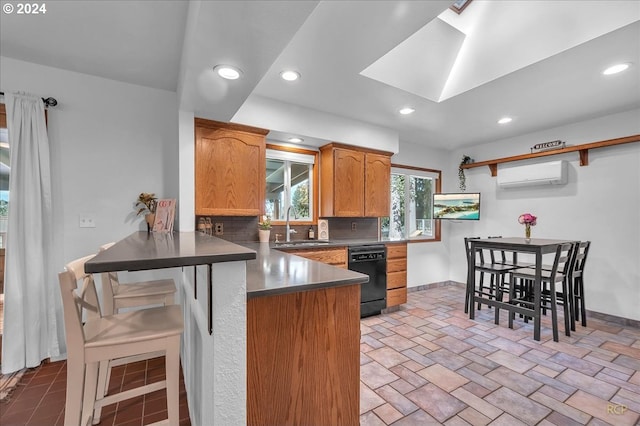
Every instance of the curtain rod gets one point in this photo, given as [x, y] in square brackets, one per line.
[48, 102]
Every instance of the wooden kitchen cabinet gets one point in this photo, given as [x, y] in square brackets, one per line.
[377, 185]
[336, 256]
[303, 358]
[354, 182]
[396, 274]
[229, 169]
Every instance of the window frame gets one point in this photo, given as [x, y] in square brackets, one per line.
[438, 187]
[314, 184]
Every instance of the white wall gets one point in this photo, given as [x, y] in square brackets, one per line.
[600, 203]
[427, 262]
[109, 142]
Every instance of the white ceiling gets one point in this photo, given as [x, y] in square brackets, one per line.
[361, 61]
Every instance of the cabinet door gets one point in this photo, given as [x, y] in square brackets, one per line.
[377, 189]
[330, 256]
[348, 183]
[229, 172]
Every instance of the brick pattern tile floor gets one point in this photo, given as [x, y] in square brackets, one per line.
[429, 364]
[426, 364]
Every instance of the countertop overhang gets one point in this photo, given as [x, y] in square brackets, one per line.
[149, 250]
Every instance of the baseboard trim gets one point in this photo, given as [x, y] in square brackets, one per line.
[435, 285]
[627, 322]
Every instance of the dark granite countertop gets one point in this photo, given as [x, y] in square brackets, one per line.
[276, 272]
[143, 251]
[269, 271]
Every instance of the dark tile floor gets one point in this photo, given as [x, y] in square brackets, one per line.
[40, 396]
[427, 364]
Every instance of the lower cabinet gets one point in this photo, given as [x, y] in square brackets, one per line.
[303, 358]
[335, 256]
[396, 274]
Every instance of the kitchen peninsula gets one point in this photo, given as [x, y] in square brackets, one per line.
[284, 347]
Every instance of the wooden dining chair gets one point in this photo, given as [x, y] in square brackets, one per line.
[92, 342]
[577, 282]
[560, 269]
[497, 276]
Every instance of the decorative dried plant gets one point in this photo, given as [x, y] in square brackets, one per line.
[147, 203]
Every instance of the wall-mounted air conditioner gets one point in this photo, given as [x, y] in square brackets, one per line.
[550, 173]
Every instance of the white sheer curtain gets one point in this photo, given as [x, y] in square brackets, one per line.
[32, 304]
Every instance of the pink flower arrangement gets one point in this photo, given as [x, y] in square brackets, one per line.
[527, 219]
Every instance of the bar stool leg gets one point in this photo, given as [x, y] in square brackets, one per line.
[554, 312]
[73, 404]
[172, 368]
[90, 387]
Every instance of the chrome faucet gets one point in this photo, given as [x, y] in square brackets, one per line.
[290, 231]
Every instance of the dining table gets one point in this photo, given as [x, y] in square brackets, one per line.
[537, 247]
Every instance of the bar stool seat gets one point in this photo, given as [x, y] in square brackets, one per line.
[93, 342]
[116, 295]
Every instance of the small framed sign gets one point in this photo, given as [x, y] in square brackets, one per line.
[546, 146]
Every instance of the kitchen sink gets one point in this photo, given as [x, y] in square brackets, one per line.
[301, 243]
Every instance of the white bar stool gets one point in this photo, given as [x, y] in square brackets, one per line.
[92, 343]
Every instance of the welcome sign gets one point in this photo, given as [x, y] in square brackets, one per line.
[546, 146]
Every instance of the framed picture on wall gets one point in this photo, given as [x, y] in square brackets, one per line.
[459, 5]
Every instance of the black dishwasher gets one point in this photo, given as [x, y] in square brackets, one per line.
[372, 261]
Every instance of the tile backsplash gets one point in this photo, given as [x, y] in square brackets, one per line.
[245, 228]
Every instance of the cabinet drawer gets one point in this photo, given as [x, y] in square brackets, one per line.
[396, 279]
[395, 265]
[396, 250]
[396, 297]
[334, 256]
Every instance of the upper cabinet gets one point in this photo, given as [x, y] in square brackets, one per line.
[354, 182]
[377, 185]
[229, 169]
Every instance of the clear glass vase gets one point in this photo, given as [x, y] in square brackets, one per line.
[527, 232]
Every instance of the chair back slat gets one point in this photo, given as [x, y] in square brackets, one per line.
[581, 255]
[479, 255]
[76, 301]
[563, 261]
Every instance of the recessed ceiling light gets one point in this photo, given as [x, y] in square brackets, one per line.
[295, 140]
[615, 69]
[228, 72]
[406, 110]
[505, 120]
[290, 75]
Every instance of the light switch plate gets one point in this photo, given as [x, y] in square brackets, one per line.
[87, 221]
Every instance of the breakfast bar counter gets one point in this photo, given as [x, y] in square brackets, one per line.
[269, 337]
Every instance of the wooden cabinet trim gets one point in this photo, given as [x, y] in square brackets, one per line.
[212, 124]
[355, 148]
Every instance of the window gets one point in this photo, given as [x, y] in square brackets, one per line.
[290, 183]
[411, 204]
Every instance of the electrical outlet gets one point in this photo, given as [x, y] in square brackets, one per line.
[219, 229]
[87, 221]
[354, 226]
